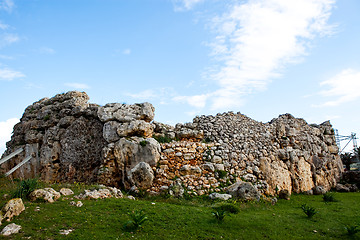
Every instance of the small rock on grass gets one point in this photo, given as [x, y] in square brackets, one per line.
[65, 231]
[66, 191]
[10, 229]
[77, 204]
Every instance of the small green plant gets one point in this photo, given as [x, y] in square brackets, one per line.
[163, 139]
[329, 197]
[143, 143]
[138, 217]
[47, 117]
[206, 140]
[219, 214]
[352, 229]
[221, 173]
[309, 211]
[25, 187]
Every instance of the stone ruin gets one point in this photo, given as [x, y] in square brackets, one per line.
[71, 140]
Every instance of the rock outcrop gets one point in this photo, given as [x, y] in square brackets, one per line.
[73, 140]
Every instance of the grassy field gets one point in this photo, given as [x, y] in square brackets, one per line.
[170, 218]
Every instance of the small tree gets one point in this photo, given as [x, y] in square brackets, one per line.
[357, 154]
[347, 159]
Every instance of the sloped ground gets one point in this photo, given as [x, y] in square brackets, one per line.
[171, 218]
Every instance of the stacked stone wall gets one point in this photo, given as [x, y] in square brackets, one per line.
[72, 140]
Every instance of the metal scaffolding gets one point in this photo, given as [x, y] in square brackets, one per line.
[339, 138]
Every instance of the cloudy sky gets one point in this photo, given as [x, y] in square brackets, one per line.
[187, 57]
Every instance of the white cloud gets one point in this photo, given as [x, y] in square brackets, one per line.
[6, 57]
[6, 129]
[342, 88]
[184, 5]
[9, 74]
[8, 38]
[256, 39]
[3, 26]
[77, 85]
[46, 50]
[198, 101]
[127, 51]
[162, 95]
[7, 5]
[143, 95]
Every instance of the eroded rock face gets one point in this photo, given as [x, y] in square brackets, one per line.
[122, 157]
[64, 137]
[142, 175]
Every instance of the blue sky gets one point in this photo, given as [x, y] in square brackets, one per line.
[187, 57]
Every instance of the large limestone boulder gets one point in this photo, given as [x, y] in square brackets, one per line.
[126, 113]
[12, 208]
[135, 128]
[142, 175]
[244, 191]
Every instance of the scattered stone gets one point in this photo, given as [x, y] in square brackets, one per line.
[10, 229]
[116, 193]
[12, 208]
[37, 209]
[131, 197]
[66, 191]
[95, 194]
[65, 231]
[274, 200]
[76, 204]
[219, 196]
[6, 196]
[46, 194]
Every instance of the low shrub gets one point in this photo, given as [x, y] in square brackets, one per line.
[25, 187]
[329, 197]
[219, 214]
[137, 218]
[352, 229]
[309, 211]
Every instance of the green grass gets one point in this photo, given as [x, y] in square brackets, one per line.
[172, 218]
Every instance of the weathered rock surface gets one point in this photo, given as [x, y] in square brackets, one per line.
[244, 191]
[66, 191]
[10, 229]
[12, 208]
[142, 175]
[102, 193]
[46, 194]
[220, 196]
